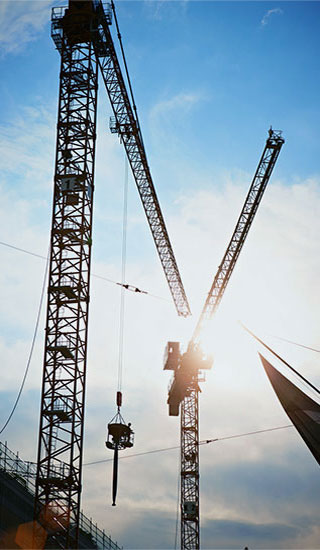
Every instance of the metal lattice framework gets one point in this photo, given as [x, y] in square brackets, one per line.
[255, 194]
[58, 482]
[190, 512]
[81, 34]
[189, 488]
[127, 126]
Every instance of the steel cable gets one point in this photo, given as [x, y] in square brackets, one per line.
[281, 359]
[129, 287]
[203, 442]
[123, 274]
[32, 346]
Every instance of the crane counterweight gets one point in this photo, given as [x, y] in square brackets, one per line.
[187, 369]
[171, 356]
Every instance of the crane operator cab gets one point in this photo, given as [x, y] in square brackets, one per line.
[120, 436]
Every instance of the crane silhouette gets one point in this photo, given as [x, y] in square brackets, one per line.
[81, 33]
[189, 366]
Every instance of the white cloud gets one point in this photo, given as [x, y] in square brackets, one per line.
[160, 9]
[273, 289]
[183, 102]
[269, 13]
[268, 291]
[172, 113]
[27, 146]
[21, 22]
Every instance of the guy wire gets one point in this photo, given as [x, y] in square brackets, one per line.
[35, 333]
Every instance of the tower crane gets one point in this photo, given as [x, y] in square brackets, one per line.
[188, 367]
[81, 33]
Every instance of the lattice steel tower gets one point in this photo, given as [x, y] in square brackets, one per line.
[81, 34]
[58, 484]
[188, 367]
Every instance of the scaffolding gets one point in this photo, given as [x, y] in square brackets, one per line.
[25, 473]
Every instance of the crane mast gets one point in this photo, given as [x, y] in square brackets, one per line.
[82, 37]
[58, 481]
[188, 367]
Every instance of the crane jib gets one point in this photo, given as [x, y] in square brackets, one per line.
[253, 199]
[126, 125]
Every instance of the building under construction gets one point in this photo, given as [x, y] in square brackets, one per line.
[17, 488]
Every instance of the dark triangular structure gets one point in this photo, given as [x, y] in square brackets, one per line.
[301, 409]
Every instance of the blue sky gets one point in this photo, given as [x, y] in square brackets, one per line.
[209, 78]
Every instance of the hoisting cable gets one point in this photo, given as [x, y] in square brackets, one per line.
[120, 435]
[202, 442]
[123, 274]
[128, 287]
[280, 359]
[126, 69]
[35, 332]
